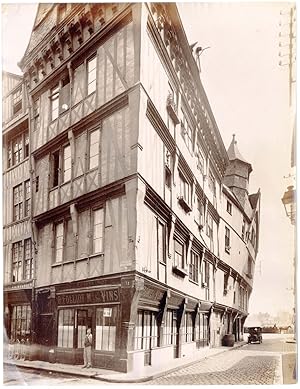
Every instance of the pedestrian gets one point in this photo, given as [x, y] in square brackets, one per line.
[87, 351]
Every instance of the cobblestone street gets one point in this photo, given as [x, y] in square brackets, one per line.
[250, 365]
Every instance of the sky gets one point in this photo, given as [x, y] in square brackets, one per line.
[249, 95]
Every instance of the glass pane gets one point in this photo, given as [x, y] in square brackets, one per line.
[91, 87]
[94, 162]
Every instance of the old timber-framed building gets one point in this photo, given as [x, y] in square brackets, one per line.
[142, 224]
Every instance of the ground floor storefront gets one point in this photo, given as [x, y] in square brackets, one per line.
[135, 322]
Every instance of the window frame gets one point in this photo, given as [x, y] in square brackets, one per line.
[145, 340]
[96, 130]
[227, 239]
[28, 259]
[17, 99]
[194, 267]
[183, 256]
[185, 190]
[229, 207]
[57, 169]
[115, 317]
[54, 98]
[88, 72]
[93, 225]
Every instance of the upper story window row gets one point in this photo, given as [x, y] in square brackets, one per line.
[60, 99]
[13, 104]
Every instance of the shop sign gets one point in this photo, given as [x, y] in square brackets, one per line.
[93, 297]
[107, 312]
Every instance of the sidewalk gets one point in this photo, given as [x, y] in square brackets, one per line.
[116, 377]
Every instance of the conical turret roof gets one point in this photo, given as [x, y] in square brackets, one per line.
[234, 153]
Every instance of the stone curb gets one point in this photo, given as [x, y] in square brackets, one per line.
[128, 380]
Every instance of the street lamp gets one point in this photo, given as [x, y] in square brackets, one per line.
[289, 202]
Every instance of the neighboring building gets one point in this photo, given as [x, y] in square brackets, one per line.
[17, 244]
[142, 223]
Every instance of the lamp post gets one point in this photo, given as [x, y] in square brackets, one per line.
[289, 202]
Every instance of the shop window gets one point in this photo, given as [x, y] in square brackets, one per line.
[179, 259]
[227, 240]
[17, 261]
[146, 330]
[17, 101]
[65, 328]
[106, 324]
[202, 331]
[91, 75]
[81, 327]
[18, 200]
[94, 145]
[20, 322]
[188, 327]
[229, 207]
[59, 238]
[28, 260]
[170, 328]
[194, 267]
[98, 225]
[161, 242]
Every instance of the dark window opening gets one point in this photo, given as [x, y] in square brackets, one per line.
[55, 171]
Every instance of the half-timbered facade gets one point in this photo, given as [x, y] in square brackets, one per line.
[128, 198]
[17, 243]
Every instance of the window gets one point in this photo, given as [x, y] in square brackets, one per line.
[200, 159]
[186, 132]
[209, 226]
[188, 327]
[17, 149]
[253, 237]
[55, 168]
[17, 101]
[249, 266]
[184, 188]
[91, 75]
[205, 275]
[179, 254]
[202, 333]
[146, 330]
[194, 267]
[227, 239]
[226, 278]
[37, 183]
[17, 261]
[199, 212]
[170, 328]
[54, 99]
[106, 324]
[66, 164]
[98, 221]
[27, 198]
[229, 207]
[36, 115]
[212, 182]
[243, 229]
[94, 149]
[161, 242]
[20, 322]
[59, 239]
[65, 328]
[18, 202]
[61, 166]
[28, 265]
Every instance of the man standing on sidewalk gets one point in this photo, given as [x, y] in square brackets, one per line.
[87, 352]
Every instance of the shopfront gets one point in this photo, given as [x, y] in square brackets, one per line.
[76, 312]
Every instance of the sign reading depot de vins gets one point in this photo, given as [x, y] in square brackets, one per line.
[92, 297]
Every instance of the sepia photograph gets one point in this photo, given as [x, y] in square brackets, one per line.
[149, 193]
